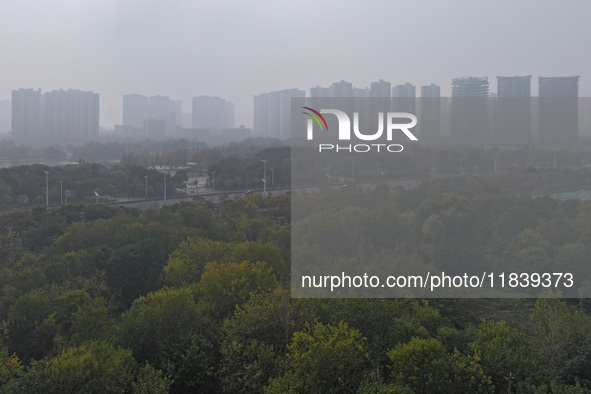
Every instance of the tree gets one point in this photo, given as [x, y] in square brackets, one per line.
[424, 366]
[255, 339]
[185, 265]
[30, 329]
[323, 359]
[95, 367]
[560, 331]
[10, 366]
[150, 381]
[166, 329]
[223, 286]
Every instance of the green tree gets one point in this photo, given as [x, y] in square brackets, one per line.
[95, 367]
[30, 330]
[255, 339]
[223, 286]
[10, 366]
[185, 265]
[424, 366]
[323, 359]
[150, 381]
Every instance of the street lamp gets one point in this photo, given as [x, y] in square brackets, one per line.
[61, 192]
[213, 182]
[265, 179]
[145, 176]
[165, 187]
[46, 189]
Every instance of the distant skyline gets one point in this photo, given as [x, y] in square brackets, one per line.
[236, 50]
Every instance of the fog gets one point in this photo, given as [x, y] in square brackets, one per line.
[235, 50]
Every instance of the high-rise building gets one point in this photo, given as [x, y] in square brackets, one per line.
[229, 120]
[71, 116]
[380, 88]
[558, 109]
[431, 90]
[564, 87]
[213, 113]
[404, 98]
[512, 120]
[469, 108]
[136, 109]
[429, 125]
[341, 89]
[27, 105]
[360, 92]
[319, 91]
[406, 90]
[272, 113]
[59, 116]
[514, 86]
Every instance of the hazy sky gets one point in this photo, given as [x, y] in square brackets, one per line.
[236, 49]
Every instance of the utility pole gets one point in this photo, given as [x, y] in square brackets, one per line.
[61, 192]
[165, 187]
[213, 181]
[265, 179]
[509, 379]
[145, 176]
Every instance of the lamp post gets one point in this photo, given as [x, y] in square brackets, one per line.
[61, 192]
[46, 189]
[213, 181]
[165, 187]
[145, 176]
[265, 179]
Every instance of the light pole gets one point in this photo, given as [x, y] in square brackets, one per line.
[165, 187]
[46, 189]
[213, 181]
[382, 174]
[61, 192]
[145, 176]
[265, 179]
